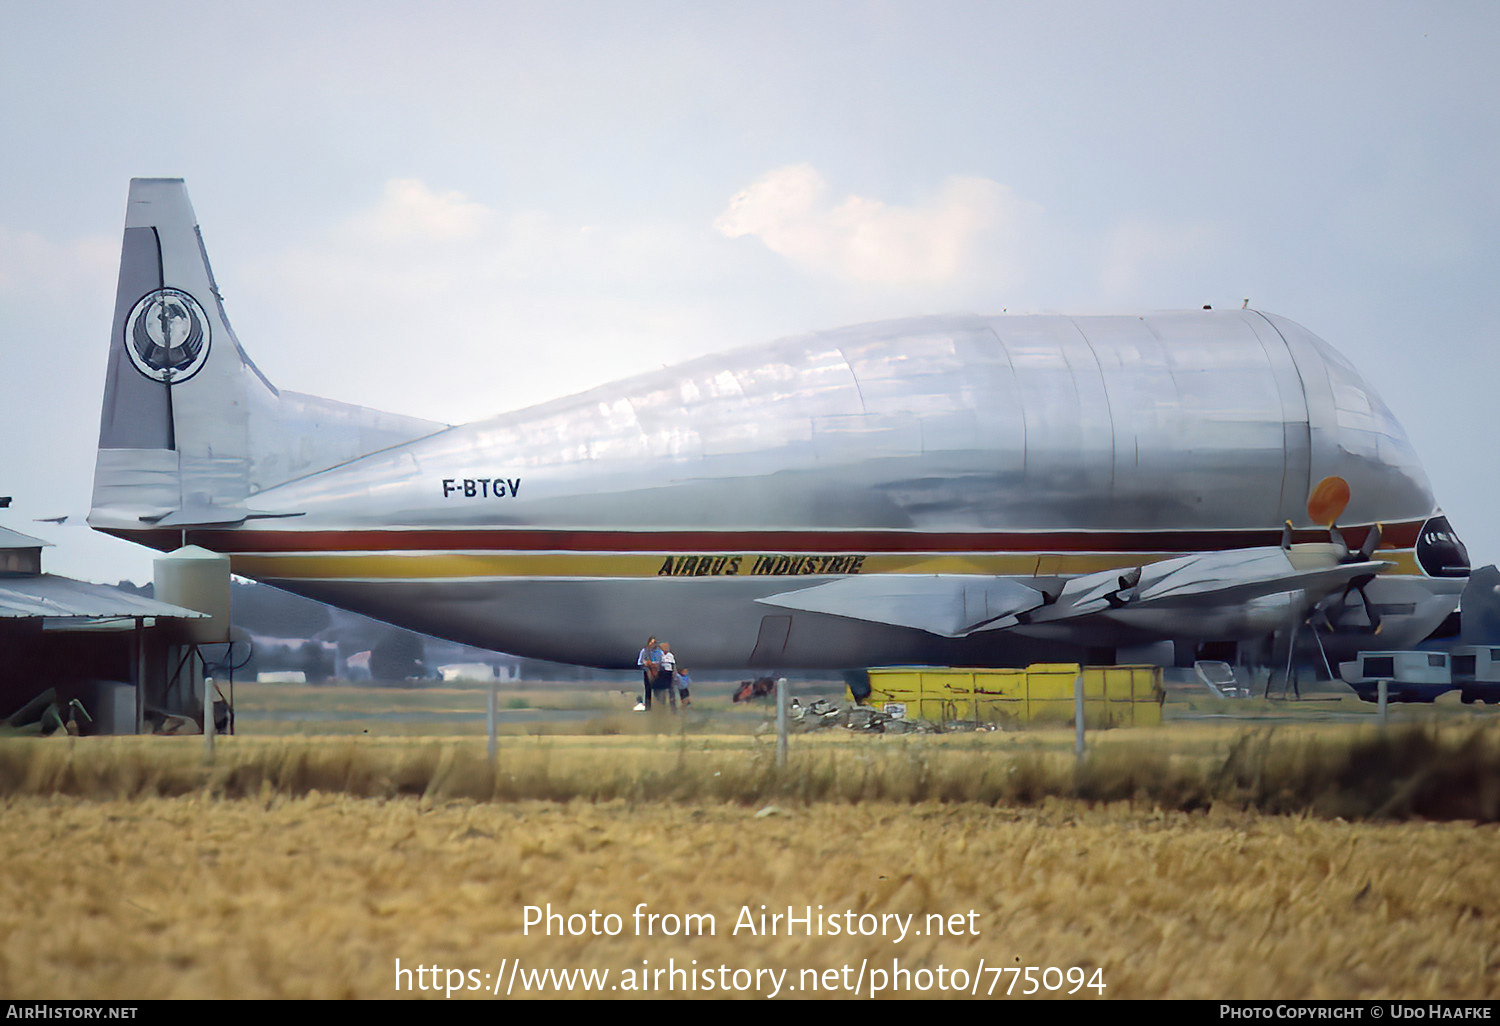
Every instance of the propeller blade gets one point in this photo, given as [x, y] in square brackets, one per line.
[1330, 609]
[1320, 611]
[1370, 611]
[1372, 542]
[1337, 537]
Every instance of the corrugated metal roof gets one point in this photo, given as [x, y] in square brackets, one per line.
[16, 540]
[47, 595]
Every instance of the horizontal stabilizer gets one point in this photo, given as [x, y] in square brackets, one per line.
[949, 605]
[212, 516]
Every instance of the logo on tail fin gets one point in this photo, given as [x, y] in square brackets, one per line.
[167, 335]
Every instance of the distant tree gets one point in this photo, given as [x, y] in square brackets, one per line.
[541, 669]
[397, 655]
[261, 609]
[316, 661]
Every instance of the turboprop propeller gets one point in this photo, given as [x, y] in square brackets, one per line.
[1325, 505]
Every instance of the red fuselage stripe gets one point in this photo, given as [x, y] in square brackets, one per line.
[250, 540]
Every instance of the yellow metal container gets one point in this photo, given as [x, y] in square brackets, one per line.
[1050, 681]
[947, 695]
[906, 682]
[1049, 712]
[1146, 694]
[1003, 684]
[938, 695]
[1000, 697]
[1041, 695]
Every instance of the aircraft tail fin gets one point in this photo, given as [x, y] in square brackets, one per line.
[173, 433]
[190, 428]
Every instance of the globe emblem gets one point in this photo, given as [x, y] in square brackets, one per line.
[167, 335]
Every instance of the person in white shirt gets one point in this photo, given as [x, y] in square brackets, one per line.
[666, 679]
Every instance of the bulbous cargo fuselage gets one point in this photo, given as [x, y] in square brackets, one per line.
[1008, 458]
[1170, 422]
[1032, 446]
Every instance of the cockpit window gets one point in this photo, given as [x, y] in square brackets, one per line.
[1439, 550]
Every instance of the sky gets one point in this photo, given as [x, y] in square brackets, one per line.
[456, 209]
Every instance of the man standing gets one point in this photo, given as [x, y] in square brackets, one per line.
[650, 663]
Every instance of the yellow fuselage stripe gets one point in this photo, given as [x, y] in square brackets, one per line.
[459, 565]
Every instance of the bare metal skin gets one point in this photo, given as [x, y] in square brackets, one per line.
[970, 490]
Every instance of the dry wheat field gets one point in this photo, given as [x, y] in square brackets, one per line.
[1288, 864]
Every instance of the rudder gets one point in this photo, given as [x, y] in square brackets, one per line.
[190, 428]
[173, 433]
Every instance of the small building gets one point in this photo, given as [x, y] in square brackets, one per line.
[1410, 676]
[479, 672]
[98, 645]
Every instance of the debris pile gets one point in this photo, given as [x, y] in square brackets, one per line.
[749, 690]
[821, 714]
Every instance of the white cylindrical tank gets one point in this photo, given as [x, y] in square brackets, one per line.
[197, 579]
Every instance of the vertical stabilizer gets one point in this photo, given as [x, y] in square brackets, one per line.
[190, 427]
[173, 435]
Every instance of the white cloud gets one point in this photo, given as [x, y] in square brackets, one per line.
[458, 310]
[971, 230]
[430, 302]
[409, 211]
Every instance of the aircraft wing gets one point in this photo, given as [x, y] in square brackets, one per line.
[1200, 581]
[1315, 582]
[957, 605]
[949, 605]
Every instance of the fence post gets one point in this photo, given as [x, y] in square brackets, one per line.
[1078, 715]
[490, 717]
[781, 725]
[208, 711]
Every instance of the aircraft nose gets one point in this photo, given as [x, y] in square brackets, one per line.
[1439, 550]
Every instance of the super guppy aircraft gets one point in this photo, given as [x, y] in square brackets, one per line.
[957, 490]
